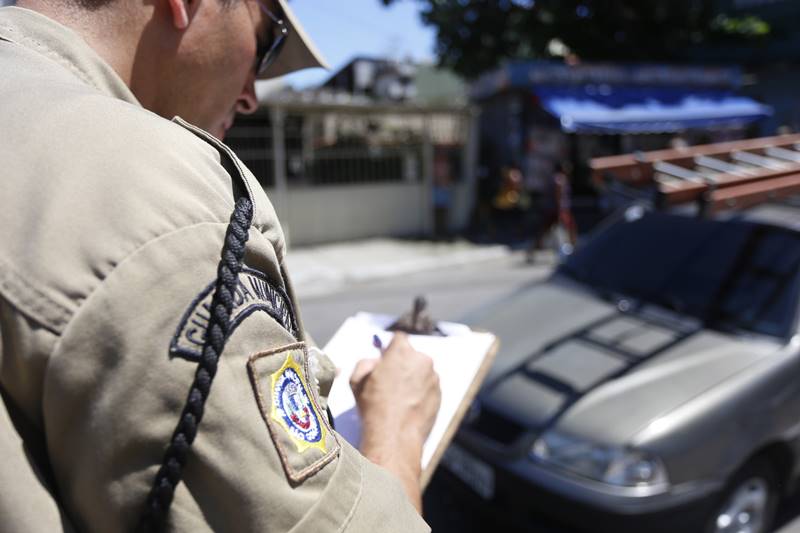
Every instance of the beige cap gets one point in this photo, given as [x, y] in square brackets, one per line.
[298, 52]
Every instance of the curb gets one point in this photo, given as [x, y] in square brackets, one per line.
[325, 269]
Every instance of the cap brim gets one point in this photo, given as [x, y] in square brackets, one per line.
[298, 53]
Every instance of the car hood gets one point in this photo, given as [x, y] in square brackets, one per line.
[572, 360]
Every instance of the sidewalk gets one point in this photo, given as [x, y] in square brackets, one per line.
[318, 270]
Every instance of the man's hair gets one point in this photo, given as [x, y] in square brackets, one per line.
[94, 5]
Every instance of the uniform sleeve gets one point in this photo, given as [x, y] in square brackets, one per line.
[265, 458]
[30, 506]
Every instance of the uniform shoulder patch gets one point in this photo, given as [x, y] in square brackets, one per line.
[293, 408]
[289, 405]
[254, 292]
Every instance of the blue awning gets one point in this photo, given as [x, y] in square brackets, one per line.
[609, 109]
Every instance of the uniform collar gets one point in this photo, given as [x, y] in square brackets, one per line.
[45, 36]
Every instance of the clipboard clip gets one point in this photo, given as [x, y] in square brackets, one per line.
[417, 321]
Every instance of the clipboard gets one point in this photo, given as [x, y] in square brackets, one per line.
[462, 359]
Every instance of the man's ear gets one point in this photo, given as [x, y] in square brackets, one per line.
[180, 13]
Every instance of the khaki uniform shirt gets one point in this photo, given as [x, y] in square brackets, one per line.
[112, 224]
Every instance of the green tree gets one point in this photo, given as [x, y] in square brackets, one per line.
[476, 35]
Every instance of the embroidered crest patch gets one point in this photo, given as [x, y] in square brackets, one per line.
[289, 405]
[293, 409]
[254, 292]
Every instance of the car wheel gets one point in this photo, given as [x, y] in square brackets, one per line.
[748, 502]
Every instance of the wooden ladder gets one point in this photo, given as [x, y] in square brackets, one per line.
[721, 176]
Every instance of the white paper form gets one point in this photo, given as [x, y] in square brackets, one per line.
[457, 357]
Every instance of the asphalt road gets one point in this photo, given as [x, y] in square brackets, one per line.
[452, 294]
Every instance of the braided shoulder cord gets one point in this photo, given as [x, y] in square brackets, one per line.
[171, 471]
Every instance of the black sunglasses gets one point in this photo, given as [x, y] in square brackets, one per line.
[267, 53]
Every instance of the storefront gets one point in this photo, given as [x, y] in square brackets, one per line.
[534, 114]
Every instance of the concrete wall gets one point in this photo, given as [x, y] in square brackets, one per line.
[319, 214]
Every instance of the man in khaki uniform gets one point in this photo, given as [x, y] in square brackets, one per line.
[113, 219]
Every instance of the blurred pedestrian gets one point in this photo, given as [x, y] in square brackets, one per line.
[510, 204]
[556, 214]
[442, 196]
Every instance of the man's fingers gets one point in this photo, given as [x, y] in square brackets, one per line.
[398, 347]
[362, 370]
[398, 339]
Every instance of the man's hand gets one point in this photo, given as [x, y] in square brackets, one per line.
[398, 397]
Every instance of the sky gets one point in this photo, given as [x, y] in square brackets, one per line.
[343, 29]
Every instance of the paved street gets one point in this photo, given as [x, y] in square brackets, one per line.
[452, 289]
[334, 282]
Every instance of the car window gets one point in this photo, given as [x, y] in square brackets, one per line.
[731, 274]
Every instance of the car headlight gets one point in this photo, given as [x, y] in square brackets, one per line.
[623, 467]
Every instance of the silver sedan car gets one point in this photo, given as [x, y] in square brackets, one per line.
[651, 384]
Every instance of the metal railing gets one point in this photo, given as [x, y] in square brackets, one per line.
[308, 145]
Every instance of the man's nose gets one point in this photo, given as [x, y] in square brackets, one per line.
[247, 102]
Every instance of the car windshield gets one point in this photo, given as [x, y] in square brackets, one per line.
[732, 275]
